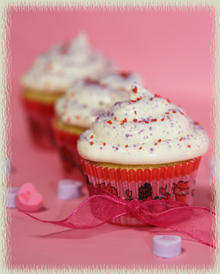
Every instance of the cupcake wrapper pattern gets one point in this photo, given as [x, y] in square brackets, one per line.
[39, 117]
[170, 183]
[67, 147]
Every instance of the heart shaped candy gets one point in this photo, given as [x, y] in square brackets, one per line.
[29, 199]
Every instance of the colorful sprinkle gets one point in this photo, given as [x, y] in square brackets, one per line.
[181, 139]
[91, 136]
[64, 48]
[89, 81]
[153, 120]
[134, 89]
[115, 118]
[91, 143]
[146, 122]
[188, 146]
[155, 144]
[48, 66]
[174, 111]
[124, 74]
[135, 112]
[104, 144]
[140, 147]
[196, 123]
[182, 113]
[139, 98]
[126, 146]
[167, 113]
[135, 120]
[159, 141]
[168, 117]
[109, 122]
[162, 119]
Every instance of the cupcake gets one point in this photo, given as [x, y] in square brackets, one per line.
[76, 111]
[145, 148]
[49, 78]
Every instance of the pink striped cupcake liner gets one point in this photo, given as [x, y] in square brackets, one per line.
[39, 117]
[67, 149]
[165, 183]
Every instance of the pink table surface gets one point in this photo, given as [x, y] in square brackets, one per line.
[185, 81]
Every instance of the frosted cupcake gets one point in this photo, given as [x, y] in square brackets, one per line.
[50, 77]
[75, 113]
[146, 148]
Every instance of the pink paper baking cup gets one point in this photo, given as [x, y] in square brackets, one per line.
[39, 118]
[67, 148]
[170, 183]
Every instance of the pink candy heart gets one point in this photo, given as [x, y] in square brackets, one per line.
[29, 199]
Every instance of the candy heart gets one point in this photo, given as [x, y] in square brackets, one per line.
[29, 199]
[69, 189]
[10, 196]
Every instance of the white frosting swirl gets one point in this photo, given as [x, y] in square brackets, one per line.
[56, 69]
[85, 101]
[145, 130]
[121, 80]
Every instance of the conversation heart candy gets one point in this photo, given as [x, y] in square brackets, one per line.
[29, 199]
[69, 189]
[166, 246]
[10, 197]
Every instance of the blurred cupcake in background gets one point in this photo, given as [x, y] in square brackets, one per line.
[76, 112]
[144, 148]
[49, 78]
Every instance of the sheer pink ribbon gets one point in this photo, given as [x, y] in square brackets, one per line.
[103, 207]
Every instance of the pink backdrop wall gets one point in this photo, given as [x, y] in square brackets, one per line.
[170, 49]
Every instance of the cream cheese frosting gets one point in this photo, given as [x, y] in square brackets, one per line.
[65, 63]
[85, 101]
[121, 79]
[146, 129]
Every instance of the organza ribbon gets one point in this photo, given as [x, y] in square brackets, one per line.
[102, 207]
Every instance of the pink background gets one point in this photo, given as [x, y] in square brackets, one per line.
[172, 51]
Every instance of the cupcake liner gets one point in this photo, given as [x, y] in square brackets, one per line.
[39, 118]
[67, 148]
[171, 183]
